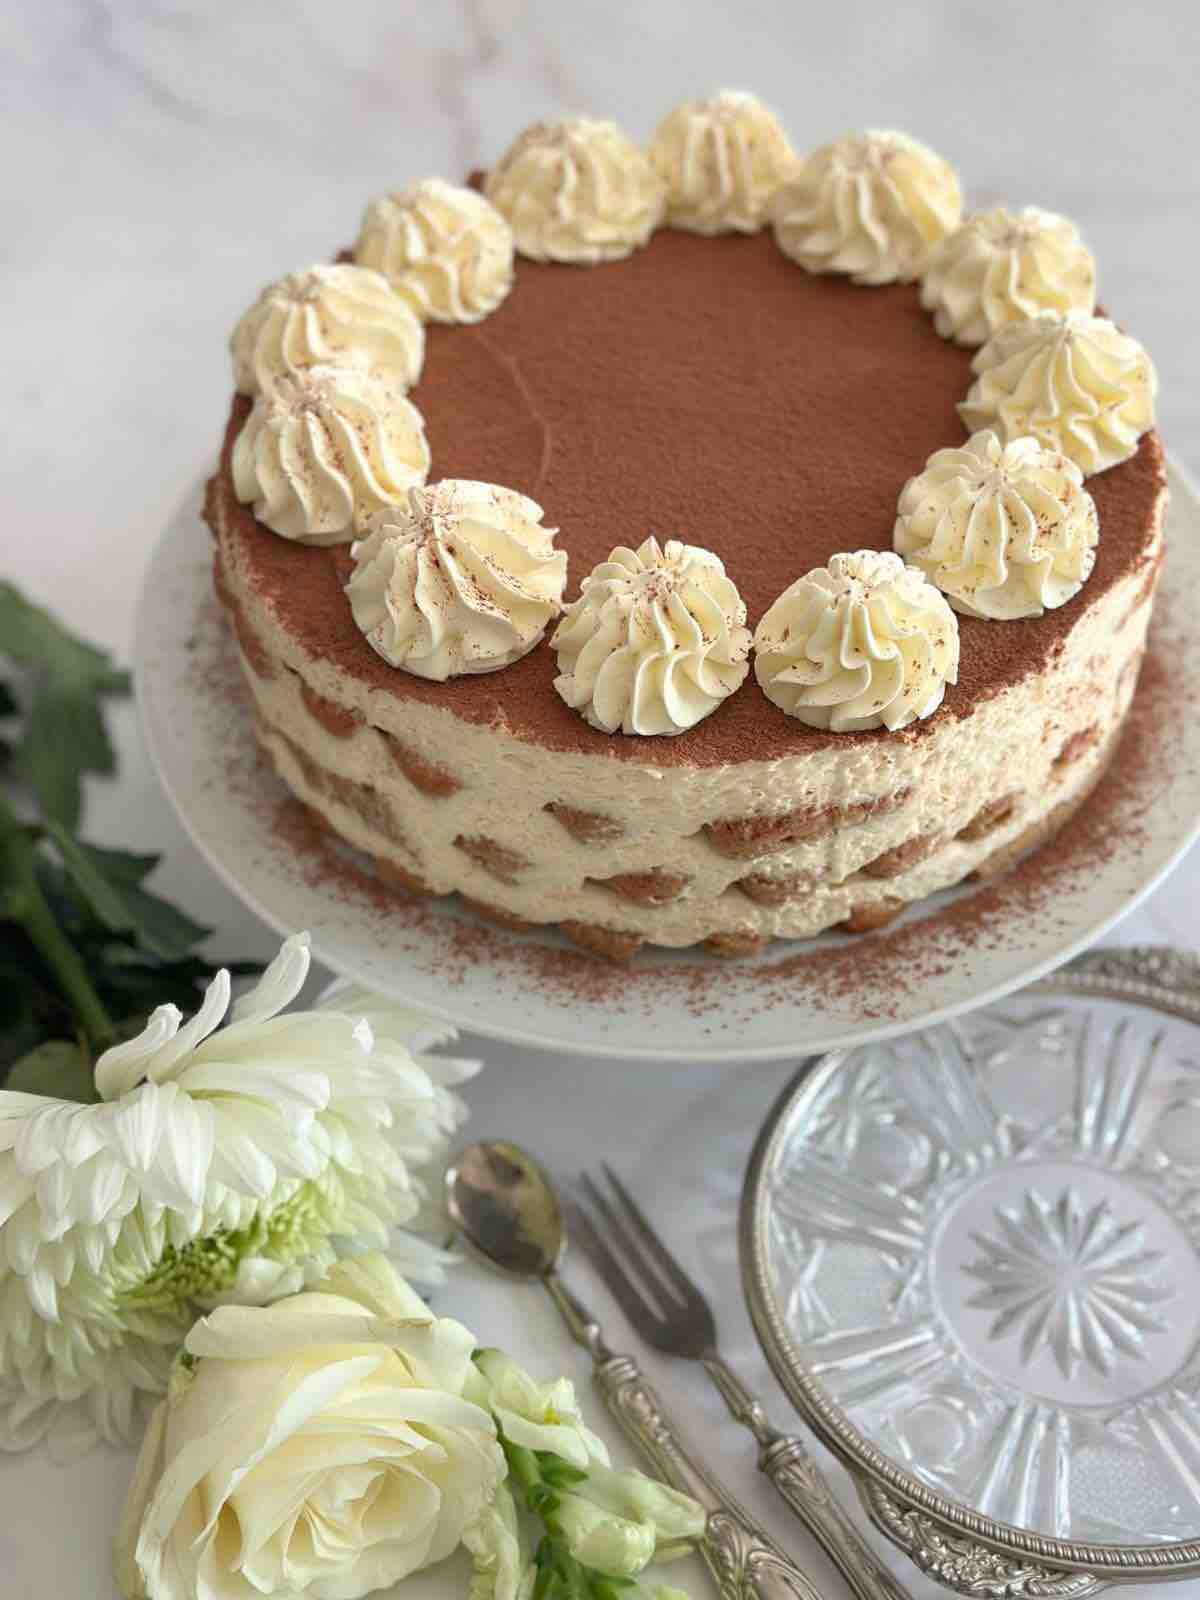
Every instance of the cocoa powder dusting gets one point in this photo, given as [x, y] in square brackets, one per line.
[708, 390]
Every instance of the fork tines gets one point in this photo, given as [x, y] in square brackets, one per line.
[645, 1279]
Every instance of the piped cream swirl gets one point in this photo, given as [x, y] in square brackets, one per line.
[325, 450]
[445, 249]
[721, 161]
[328, 315]
[655, 642]
[863, 643]
[576, 190]
[1003, 531]
[872, 205]
[1075, 382]
[462, 578]
[999, 268]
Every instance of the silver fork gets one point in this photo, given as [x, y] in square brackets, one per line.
[672, 1314]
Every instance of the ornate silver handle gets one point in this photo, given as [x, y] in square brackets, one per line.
[786, 1460]
[790, 1467]
[745, 1561]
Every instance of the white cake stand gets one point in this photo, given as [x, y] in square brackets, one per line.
[670, 1006]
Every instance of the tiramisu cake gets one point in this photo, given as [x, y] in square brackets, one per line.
[691, 544]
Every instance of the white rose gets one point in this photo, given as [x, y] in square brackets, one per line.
[321, 1447]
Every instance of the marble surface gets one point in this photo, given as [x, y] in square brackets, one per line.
[163, 158]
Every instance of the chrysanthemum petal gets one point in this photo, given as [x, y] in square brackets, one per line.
[193, 1034]
[123, 1067]
[185, 1151]
[279, 984]
[15, 1110]
[16, 1188]
[43, 1291]
[43, 1137]
[282, 1083]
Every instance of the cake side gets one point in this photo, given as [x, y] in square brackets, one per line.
[738, 854]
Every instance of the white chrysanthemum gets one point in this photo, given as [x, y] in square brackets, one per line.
[221, 1164]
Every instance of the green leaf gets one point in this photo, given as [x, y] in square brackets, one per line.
[24, 1003]
[59, 1068]
[110, 883]
[31, 1008]
[8, 708]
[64, 735]
[23, 901]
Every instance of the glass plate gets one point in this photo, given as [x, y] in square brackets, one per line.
[973, 1257]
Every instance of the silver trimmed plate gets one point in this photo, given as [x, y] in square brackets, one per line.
[972, 1257]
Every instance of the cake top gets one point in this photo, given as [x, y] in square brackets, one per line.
[658, 365]
[706, 385]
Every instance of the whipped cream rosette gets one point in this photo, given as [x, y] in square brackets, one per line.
[721, 160]
[325, 450]
[444, 248]
[1076, 382]
[1004, 531]
[576, 190]
[327, 315]
[1000, 267]
[872, 205]
[863, 643]
[655, 642]
[462, 578]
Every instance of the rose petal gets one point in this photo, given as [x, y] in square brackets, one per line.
[146, 1474]
[246, 1333]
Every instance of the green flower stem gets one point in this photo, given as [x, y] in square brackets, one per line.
[22, 902]
[560, 1575]
[523, 1465]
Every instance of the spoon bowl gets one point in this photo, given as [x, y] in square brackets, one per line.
[506, 1209]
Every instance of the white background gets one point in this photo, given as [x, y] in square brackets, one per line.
[161, 159]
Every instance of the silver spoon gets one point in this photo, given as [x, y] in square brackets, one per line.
[508, 1212]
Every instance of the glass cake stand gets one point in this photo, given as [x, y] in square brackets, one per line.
[972, 1257]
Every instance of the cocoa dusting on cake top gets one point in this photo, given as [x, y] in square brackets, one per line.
[705, 389]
